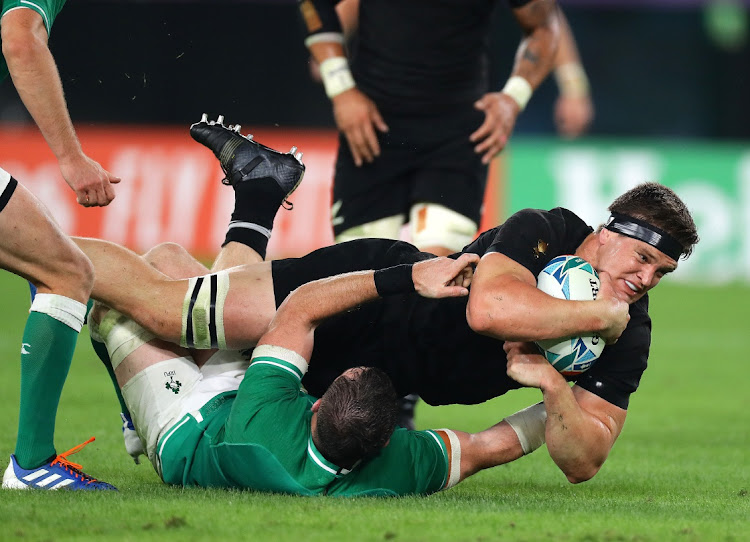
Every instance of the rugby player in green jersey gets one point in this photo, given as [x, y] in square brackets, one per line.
[32, 246]
[208, 420]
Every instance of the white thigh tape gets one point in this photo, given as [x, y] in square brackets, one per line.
[203, 312]
[436, 225]
[63, 309]
[386, 228]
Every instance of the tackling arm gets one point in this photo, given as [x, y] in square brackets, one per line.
[305, 308]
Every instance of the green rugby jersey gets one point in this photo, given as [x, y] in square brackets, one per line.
[48, 9]
[260, 438]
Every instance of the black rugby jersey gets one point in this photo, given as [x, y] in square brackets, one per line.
[426, 346]
[416, 56]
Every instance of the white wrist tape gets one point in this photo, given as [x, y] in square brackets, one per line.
[529, 424]
[325, 37]
[336, 76]
[572, 80]
[519, 89]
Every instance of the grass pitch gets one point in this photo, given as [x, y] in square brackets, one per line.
[680, 470]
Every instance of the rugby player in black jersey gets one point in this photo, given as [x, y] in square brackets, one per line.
[417, 115]
[448, 351]
[419, 121]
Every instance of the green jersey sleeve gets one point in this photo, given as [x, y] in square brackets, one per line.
[274, 372]
[413, 462]
[47, 9]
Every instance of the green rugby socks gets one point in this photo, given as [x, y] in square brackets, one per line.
[49, 341]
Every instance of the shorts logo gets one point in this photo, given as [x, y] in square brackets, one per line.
[172, 384]
[335, 219]
[23, 348]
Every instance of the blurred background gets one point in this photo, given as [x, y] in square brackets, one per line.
[670, 81]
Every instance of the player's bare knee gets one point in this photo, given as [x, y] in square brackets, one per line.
[70, 274]
[164, 252]
[173, 260]
[434, 225]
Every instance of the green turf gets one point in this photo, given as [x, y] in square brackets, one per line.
[680, 470]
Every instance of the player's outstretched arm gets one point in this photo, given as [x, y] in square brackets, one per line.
[581, 427]
[489, 448]
[37, 81]
[309, 305]
[505, 303]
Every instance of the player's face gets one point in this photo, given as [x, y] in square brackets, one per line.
[634, 266]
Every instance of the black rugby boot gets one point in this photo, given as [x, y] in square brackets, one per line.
[243, 159]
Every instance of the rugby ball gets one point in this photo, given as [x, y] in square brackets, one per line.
[571, 277]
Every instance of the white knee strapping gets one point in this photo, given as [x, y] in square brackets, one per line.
[386, 228]
[435, 225]
[530, 425]
[63, 309]
[121, 335]
[203, 312]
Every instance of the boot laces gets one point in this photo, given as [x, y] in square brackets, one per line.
[74, 468]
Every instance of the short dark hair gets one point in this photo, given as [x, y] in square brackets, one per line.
[356, 417]
[660, 207]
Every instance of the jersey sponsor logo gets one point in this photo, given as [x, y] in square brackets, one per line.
[540, 249]
[23, 348]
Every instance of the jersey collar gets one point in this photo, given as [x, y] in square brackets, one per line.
[323, 463]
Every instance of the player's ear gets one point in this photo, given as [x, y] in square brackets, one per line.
[604, 236]
[316, 406]
[387, 442]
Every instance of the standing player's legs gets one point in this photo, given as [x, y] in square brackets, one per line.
[32, 246]
[447, 189]
[372, 200]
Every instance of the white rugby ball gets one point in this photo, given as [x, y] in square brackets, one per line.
[571, 277]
